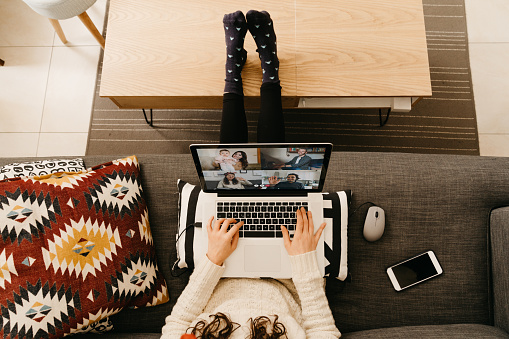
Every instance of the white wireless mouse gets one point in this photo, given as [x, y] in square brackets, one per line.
[374, 225]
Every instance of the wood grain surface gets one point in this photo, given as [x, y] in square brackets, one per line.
[359, 48]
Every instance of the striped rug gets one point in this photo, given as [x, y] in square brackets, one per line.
[443, 123]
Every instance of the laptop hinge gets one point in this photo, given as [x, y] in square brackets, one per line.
[264, 193]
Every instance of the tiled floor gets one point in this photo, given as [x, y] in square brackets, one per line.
[46, 88]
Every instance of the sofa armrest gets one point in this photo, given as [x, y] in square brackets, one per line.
[499, 237]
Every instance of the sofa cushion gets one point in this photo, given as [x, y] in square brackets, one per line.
[40, 167]
[189, 234]
[459, 331]
[75, 248]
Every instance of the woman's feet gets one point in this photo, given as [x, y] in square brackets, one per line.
[235, 28]
[261, 27]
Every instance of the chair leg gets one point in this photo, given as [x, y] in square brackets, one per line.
[91, 27]
[58, 29]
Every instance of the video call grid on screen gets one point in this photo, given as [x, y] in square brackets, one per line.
[226, 167]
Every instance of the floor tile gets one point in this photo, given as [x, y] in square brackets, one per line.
[494, 145]
[62, 144]
[18, 144]
[487, 20]
[70, 91]
[21, 26]
[23, 80]
[76, 33]
[490, 77]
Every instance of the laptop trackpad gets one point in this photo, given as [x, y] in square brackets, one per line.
[262, 258]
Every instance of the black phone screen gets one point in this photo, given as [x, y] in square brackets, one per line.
[414, 270]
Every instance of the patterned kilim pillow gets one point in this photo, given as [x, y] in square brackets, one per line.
[40, 167]
[74, 249]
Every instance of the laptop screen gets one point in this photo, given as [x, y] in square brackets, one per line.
[259, 167]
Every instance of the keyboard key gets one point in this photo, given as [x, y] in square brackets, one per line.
[219, 204]
[229, 215]
[241, 234]
[242, 215]
[262, 221]
[272, 227]
[258, 204]
[252, 228]
[278, 227]
[281, 221]
[259, 234]
[279, 234]
[265, 227]
[259, 227]
[291, 227]
[221, 215]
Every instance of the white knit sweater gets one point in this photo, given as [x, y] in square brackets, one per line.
[302, 306]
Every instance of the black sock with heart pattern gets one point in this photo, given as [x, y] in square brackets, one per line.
[235, 28]
[261, 27]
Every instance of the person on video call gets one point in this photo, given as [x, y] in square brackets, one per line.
[210, 307]
[241, 162]
[302, 161]
[290, 183]
[232, 182]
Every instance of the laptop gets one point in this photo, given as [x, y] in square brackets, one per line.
[262, 185]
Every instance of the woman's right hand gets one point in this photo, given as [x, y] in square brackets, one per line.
[222, 242]
[304, 239]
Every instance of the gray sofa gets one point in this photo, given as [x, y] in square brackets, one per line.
[453, 205]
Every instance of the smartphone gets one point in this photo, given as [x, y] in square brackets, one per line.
[415, 270]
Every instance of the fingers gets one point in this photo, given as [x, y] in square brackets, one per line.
[300, 222]
[226, 224]
[318, 233]
[209, 224]
[286, 237]
[217, 224]
[311, 226]
[304, 219]
[235, 228]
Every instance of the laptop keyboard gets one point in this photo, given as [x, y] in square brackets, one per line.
[262, 219]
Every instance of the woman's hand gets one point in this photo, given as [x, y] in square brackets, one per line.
[240, 178]
[304, 239]
[222, 242]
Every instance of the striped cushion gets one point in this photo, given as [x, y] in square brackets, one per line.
[190, 228]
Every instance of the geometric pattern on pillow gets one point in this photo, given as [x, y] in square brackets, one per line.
[74, 249]
[335, 212]
[41, 167]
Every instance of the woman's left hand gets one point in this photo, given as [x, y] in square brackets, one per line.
[222, 242]
[240, 178]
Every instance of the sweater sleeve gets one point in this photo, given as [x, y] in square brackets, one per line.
[318, 319]
[193, 299]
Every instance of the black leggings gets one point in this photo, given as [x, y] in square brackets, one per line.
[271, 125]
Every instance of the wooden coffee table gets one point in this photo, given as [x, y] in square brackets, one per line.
[333, 53]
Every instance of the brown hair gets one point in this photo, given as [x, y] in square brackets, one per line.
[221, 327]
[243, 160]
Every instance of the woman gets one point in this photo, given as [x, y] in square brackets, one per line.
[231, 182]
[241, 163]
[255, 308]
[237, 308]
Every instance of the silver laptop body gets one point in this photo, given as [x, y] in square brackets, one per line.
[262, 207]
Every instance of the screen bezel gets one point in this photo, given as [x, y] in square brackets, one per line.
[254, 192]
[433, 259]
